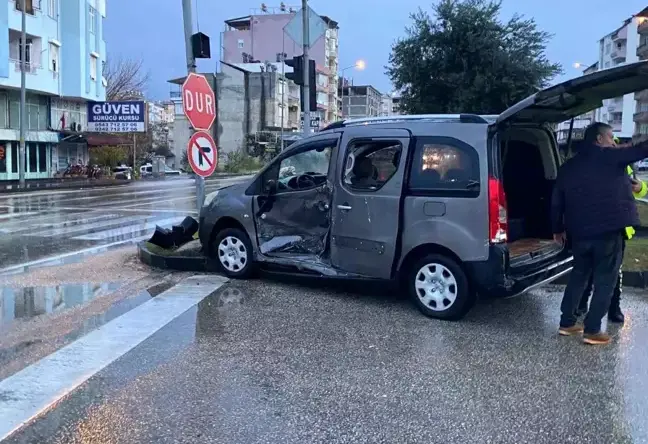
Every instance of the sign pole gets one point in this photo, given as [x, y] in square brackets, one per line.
[134, 152]
[191, 67]
[306, 87]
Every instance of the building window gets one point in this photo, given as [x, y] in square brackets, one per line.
[28, 51]
[445, 166]
[32, 153]
[4, 114]
[93, 67]
[240, 43]
[53, 9]
[42, 157]
[54, 57]
[14, 157]
[35, 110]
[29, 6]
[607, 64]
[370, 165]
[3, 158]
[608, 48]
[92, 19]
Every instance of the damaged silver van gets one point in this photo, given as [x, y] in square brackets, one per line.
[450, 206]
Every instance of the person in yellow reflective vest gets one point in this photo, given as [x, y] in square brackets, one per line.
[639, 190]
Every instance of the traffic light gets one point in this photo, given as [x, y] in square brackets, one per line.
[297, 64]
[312, 88]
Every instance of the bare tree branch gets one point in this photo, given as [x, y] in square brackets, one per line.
[126, 79]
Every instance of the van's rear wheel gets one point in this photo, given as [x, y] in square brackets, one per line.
[232, 250]
[439, 287]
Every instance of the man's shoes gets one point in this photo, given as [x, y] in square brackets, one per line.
[599, 338]
[570, 331]
[616, 316]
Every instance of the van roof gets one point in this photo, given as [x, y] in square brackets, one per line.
[432, 118]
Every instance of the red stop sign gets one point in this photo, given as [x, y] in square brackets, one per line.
[198, 102]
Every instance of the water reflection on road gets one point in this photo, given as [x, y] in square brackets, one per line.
[28, 302]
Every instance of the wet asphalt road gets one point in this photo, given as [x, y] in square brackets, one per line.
[44, 224]
[268, 362]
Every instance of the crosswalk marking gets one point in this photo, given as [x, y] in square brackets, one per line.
[33, 390]
[88, 227]
[117, 232]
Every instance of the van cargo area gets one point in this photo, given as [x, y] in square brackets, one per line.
[528, 171]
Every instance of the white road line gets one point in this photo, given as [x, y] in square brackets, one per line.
[140, 203]
[17, 227]
[115, 232]
[88, 227]
[57, 260]
[32, 391]
[18, 214]
[184, 183]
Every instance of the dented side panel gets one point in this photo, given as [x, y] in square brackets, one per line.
[296, 222]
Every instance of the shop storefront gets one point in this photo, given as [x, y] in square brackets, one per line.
[38, 165]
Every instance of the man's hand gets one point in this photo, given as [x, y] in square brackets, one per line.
[636, 186]
[560, 238]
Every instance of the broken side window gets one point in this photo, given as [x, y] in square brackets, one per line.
[370, 165]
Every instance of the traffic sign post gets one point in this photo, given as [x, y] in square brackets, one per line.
[198, 102]
[202, 154]
[199, 105]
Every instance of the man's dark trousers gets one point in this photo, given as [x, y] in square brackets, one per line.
[615, 304]
[599, 257]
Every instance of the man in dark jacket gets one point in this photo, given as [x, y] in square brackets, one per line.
[593, 202]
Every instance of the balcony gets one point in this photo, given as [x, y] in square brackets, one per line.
[640, 117]
[618, 54]
[642, 27]
[642, 95]
[31, 6]
[642, 50]
[29, 67]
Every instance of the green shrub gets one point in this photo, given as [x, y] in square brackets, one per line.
[240, 162]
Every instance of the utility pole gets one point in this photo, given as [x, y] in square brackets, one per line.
[23, 96]
[191, 67]
[283, 83]
[306, 87]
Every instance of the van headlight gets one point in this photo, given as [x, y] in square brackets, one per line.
[209, 198]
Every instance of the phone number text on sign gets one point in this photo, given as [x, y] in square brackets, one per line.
[116, 127]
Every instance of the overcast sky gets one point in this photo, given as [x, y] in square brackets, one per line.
[152, 30]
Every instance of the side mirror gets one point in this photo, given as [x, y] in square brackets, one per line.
[270, 186]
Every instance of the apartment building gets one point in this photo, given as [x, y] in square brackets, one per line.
[260, 38]
[360, 101]
[640, 116]
[65, 52]
[617, 48]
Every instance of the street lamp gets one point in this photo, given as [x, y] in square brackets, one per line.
[359, 65]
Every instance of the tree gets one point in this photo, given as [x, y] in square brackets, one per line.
[463, 58]
[126, 79]
[109, 155]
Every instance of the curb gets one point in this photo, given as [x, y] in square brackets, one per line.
[634, 279]
[63, 186]
[179, 263]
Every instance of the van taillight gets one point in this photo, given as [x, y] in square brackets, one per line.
[497, 214]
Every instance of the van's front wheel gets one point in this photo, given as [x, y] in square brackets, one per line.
[233, 251]
[439, 288]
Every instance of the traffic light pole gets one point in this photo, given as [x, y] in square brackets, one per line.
[191, 67]
[305, 87]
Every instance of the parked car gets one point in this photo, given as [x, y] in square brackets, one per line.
[123, 172]
[147, 170]
[450, 206]
[642, 165]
